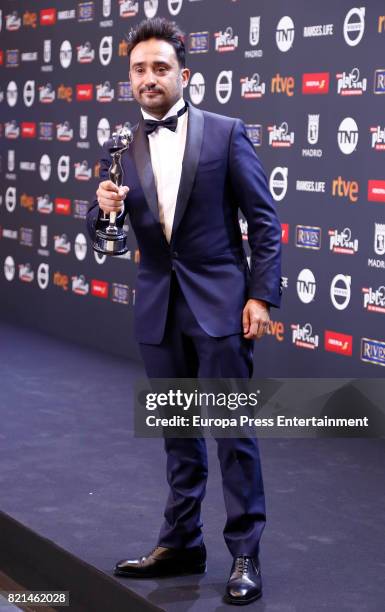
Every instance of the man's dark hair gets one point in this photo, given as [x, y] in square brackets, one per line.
[160, 28]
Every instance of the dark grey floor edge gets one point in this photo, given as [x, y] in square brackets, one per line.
[39, 564]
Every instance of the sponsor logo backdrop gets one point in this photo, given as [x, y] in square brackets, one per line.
[309, 82]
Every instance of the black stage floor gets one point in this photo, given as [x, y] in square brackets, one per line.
[75, 478]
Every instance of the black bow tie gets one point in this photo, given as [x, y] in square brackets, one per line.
[171, 123]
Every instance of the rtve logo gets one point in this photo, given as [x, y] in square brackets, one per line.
[345, 189]
[381, 24]
[282, 85]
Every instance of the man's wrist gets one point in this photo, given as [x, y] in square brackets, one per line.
[262, 303]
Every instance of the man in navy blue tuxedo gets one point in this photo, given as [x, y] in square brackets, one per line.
[199, 306]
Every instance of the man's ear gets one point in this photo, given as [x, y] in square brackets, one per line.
[185, 76]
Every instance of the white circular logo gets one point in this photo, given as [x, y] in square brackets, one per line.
[354, 26]
[65, 53]
[284, 35]
[99, 258]
[11, 93]
[45, 167]
[9, 268]
[105, 50]
[197, 88]
[278, 183]
[340, 291]
[63, 168]
[43, 275]
[306, 286]
[80, 247]
[347, 136]
[29, 93]
[10, 199]
[224, 86]
[150, 8]
[103, 131]
[174, 6]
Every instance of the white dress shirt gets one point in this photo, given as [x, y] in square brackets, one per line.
[166, 151]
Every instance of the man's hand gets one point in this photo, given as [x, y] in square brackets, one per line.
[110, 196]
[255, 319]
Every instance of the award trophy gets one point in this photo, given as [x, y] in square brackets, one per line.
[113, 240]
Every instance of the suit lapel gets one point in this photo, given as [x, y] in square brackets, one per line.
[141, 152]
[190, 162]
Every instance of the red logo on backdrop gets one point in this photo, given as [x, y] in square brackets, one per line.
[285, 233]
[28, 130]
[99, 288]
[376, 191]
[1, 58]
[338, 343]
[62, 206]
[84, 92]
[47, 16]
[315, 82]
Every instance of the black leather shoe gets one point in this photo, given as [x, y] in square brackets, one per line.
[245, 583]
[163, 561]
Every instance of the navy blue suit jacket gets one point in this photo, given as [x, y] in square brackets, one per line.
[220, 173]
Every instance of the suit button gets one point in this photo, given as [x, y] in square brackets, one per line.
[175, 254]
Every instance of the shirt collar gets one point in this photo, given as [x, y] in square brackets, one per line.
[173, 110]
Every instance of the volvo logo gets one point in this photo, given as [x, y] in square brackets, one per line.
[63, 168]
[105, 50]
[29, 93]
[10, 199]
[43, 275]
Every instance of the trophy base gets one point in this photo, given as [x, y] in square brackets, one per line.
[110, 244]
